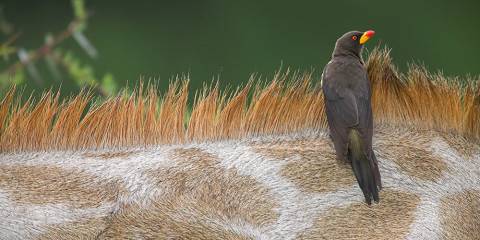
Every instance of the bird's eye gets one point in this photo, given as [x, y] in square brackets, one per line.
[354, 38]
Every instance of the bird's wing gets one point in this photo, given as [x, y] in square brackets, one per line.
[349, 114]
[341, 101]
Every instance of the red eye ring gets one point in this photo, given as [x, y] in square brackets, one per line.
[354, 38]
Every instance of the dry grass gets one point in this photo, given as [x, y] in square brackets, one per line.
[289, 103]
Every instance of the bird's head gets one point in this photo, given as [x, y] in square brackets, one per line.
[351, 43]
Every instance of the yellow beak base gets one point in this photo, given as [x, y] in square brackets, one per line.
[366, 36]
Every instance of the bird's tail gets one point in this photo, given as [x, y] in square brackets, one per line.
[364, 168]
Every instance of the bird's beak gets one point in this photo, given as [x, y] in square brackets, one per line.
[366, 35]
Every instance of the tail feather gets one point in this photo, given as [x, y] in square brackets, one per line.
[378, 180]
[365, 169]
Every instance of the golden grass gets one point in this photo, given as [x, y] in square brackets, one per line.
[289, 103]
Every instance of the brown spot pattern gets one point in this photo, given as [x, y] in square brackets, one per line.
[408, 152]
[197, 176]
[391, 219]
[51, 184]
[311, 164]
[171, 218]
[460, 216]
[465, 147]
[84, 229]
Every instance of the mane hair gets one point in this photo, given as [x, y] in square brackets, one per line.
[289, 103]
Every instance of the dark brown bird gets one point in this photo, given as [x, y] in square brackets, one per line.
[347, 93]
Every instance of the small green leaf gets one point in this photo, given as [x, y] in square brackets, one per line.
[6, 50]
[80, 13]
[8, 80]
[82, 74]
[108, 84]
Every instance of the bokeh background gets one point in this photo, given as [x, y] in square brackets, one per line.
[115, 43]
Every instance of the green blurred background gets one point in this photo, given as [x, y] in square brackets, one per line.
[229, 40]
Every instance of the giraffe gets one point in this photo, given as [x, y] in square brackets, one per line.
[131, 168]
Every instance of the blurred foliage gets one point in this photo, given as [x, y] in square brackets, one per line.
[6, 80]
[108, 84]
[80, 13]
[83, 74]
[6, 50]
[61, 63]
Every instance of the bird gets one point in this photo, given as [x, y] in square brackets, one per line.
[347, 94]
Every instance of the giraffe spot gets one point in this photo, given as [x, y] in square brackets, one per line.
[82, 229]
[390, 219]
[467, 148]
[171, 218]
[52, 184]
[311, 164]
[419, 163]
[109, 155]
[285, 149]
[460, 215]
[411, 154]
[198, 176]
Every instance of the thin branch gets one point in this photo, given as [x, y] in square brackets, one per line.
[45, 48]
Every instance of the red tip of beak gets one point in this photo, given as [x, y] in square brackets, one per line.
[369, 33]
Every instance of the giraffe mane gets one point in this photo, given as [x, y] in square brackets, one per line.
[289, 103]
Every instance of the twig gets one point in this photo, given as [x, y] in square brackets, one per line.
[45, 48]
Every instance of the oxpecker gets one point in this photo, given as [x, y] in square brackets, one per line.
[347, 95]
